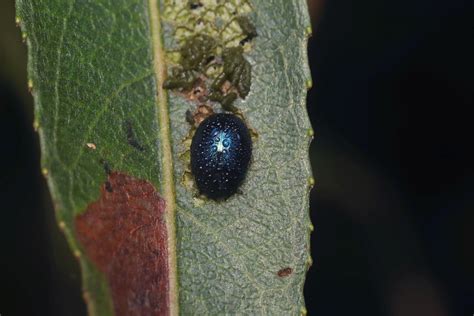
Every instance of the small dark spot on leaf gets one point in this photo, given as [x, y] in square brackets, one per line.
[106, 166]
[190, 117]
[195, 4]
[209, 59]
[285, 272]
[131, 137]
[108, 186]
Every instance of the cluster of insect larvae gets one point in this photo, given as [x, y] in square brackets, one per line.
[197, 60]
[211, 73]
[225, 69]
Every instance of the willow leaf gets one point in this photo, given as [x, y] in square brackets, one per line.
[115, 150]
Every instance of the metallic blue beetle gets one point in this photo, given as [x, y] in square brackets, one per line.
[220, 155]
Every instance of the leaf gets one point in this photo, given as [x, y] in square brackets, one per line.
[115, 153]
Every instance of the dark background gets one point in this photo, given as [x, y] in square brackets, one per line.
[393, 201]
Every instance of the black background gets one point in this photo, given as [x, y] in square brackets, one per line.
[392, 158]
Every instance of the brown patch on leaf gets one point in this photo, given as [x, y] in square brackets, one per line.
[199, 92]
[124, 235]
[227, 87]
[285, 272]
[201, 113]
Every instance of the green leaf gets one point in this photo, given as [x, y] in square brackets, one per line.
[115, 145]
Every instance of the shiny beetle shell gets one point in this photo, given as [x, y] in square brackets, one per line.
[220, 155]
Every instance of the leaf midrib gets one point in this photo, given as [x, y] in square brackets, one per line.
[167, 181]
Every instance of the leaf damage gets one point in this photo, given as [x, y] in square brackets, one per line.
[282, 273]
[124, 234]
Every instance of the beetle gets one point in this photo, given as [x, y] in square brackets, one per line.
[221, 150]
